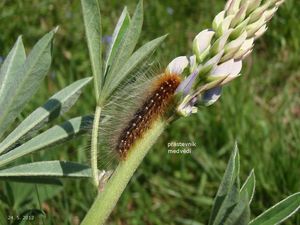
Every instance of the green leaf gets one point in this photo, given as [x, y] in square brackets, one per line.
[126, 47]
[244, 217]
[34, 180]
[279, 212]
[92, 24]
[135, 60]
[58, 104]
[59, 169]
[229, 203]
[230, 176]
[32, 74]
[10, 76]
[119, 32]
[50, 137]
[249, 186]
[240, 214]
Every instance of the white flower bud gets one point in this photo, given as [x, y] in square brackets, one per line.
[178, 65]
[253, 4]
[239, 29]
[260, 32]
[257, 13]
[240, 16]
[229, 70]
[201, 44]
[279, 3]
[276, 2]
[225, 25]
[186, 107]
[218, 20]
[244, 49]
[233, 7]
[232, 47]
[252, 28]
[220, 43]
[270, 13]
[212, 63]
[193, 63]
[247, 54]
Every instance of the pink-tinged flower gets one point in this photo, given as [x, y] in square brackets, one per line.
[178, 65]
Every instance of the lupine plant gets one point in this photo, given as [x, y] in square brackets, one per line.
[216, 59]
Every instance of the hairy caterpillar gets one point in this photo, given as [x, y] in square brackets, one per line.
[136, 106]
[154, 105]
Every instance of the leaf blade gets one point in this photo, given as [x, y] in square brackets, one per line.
[50, 137]
[33, 72]
[56, 168]
[249, 186]
[279, 212]
[230, 175]
[125, 49]
[58, 104]
[92, 24]
[137, 58]
[9, 74]
[119, 32]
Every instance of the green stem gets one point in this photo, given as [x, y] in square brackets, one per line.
[94, 147]
[106, 200]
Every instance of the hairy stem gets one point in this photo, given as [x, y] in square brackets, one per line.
[106, 200]
[94, 147]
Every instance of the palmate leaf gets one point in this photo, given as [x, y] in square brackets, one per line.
[50, 137]
[92, 25]
[279, 212]
[28, 79]
[58, 104]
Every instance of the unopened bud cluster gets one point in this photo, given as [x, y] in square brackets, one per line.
[219, 51]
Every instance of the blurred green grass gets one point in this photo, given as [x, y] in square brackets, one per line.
[261, 110]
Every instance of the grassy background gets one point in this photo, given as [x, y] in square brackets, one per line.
[261, 110]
